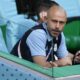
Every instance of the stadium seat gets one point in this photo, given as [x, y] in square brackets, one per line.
[3, 47]
[72, 33]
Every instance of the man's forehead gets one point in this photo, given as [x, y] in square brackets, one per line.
[57, 9]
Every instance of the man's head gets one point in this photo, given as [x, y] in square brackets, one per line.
[43, 8]
[56, 19]
[39, 9]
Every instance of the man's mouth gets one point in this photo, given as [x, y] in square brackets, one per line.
[56, 31]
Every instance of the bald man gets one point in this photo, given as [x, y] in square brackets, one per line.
[42, 42]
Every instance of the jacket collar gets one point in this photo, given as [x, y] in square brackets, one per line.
[49, 37]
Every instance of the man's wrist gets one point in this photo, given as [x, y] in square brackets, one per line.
[53, 64]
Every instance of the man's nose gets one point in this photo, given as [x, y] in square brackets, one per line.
[57, 25]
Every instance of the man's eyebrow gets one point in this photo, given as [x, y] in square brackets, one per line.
[58, 21]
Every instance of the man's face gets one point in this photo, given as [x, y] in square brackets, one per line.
[56, 19]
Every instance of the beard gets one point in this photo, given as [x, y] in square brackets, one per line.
[55, 32]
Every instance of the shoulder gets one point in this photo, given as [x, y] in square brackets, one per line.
[39, 33]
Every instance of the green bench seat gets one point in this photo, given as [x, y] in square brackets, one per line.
[12, 65]
[72, 33]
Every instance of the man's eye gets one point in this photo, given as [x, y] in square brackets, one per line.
[55, 21]
[61, 22]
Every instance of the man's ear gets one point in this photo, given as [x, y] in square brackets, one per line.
[45, 19]
[43, 15]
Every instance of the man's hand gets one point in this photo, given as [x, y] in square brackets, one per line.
[64, 61]
[53, 64]
[77, 58]
[41, 60]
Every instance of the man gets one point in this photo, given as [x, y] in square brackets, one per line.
[18, 24]
[35, 47]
